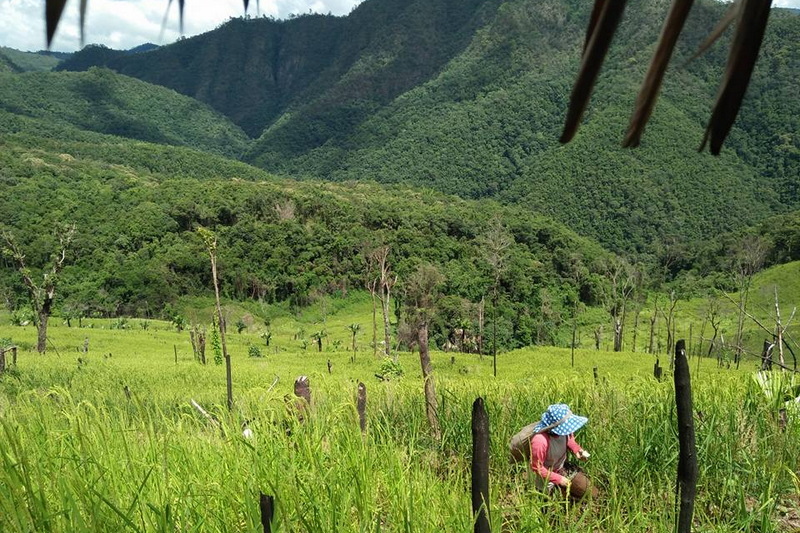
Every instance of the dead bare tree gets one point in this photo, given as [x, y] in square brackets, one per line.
[421, 291]
[747, 260]
[621, 276]
[653, 320]
[210, 241]
[495, 244]
[41, 295]
[371, 281]
[386, 281]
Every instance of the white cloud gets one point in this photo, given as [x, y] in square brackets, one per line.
[128, 23]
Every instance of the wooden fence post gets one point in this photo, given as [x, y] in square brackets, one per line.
[596, 377]
[14, 356]
[267, 506]
[480, 466]
[361, 406]
[175, 349]
[2, 360]
[330, 367]
[657, 370]
[687, 456]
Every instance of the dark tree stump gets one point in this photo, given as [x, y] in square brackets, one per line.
[687, 456]
[480, 466]
[361, 406]
[267, 506]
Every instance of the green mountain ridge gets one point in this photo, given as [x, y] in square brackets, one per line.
[281, 241]
[104, 102]
[468, 98]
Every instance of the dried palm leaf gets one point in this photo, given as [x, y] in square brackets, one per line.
[83, 19]
[648, 94]
[742, 59]
[719, 29]
[52, 14]
[602, 35]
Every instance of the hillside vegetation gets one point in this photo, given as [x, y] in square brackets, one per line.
[468, 98]
[137, 207]
[104, 102]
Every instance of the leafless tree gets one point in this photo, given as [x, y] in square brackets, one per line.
[421, 292]
[747, 260]
[41, 295]
[495, 244]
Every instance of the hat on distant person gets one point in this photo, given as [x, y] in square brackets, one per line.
[558, 419]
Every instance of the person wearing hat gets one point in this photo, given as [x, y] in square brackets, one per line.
[553, 436]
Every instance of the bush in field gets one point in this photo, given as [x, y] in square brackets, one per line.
[390, 368]
[240, 326]
[216, 346]
[254, 351]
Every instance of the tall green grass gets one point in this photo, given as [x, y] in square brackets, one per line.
[78, 454]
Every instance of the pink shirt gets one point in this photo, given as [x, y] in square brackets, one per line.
[547, 464]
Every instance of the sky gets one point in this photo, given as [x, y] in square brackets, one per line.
[123, 24]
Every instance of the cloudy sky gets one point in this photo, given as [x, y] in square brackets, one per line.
[127, 23]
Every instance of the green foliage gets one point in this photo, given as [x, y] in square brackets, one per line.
[240, 326]
[254, 351]
[104, 102]
[390, 368]
[18, 61]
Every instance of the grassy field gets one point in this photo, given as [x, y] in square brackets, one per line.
[80, 454]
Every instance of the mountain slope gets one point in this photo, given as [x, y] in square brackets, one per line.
[137, 250]
[254, 70]
[104, 102]
[469, 98]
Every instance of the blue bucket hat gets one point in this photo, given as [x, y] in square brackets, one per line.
[559, 419]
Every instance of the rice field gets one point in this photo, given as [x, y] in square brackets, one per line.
[109, 441]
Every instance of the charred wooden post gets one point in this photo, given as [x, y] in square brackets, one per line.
[2, 360]
[361, 406]
[330, 367]
[452, 360]
[657, 370]
[302, 390]
[596, 376]
[267, 506]
[480, 466]
[687, 457]
[766, 355]
[14, 356]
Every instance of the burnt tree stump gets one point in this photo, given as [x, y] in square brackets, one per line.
[480, 466]
[267, 507]
[687, 456]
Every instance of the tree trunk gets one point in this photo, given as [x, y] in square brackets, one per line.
[480, 467]
[481, 307]
[635, 328]
[617, 334]
[41, 329]
[653, 319]
[374, 326]
[431, 406]
[387, 336]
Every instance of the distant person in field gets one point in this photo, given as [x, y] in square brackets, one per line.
[545, 445]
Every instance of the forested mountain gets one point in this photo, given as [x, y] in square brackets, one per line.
[104, 102]
[137, 206]
[468, 98]
[12, 60]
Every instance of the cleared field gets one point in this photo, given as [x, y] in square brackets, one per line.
[80, 454]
